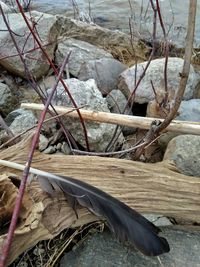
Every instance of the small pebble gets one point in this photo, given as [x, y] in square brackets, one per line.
[65, 148]
[49, 150]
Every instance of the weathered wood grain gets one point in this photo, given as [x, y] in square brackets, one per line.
[152, 188]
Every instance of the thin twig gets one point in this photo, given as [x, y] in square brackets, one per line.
[121, 119]
[166, 48]
[105, 154]
[136, 84]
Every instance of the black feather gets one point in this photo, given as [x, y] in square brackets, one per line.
[124, 222]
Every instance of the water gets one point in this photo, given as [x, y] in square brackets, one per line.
[116, 14]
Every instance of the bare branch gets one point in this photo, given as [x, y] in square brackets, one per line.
[124, 120]
[8, 241]
[186, 66]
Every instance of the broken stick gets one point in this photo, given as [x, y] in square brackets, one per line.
[185, 127]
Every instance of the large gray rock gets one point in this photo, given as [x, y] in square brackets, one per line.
[81, 52]
[22, 120]
[14, 114]
[86, 93]
[116, 103]
[184, 151]
[103, 250]
[6, 8]
[6, 99]
[118, 42]
[105, 71]
[155, 73]
[36, 63]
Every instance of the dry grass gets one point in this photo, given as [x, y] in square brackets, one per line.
[48, 253]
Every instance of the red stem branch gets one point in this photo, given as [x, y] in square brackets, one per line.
[55, 71]
[8, 241]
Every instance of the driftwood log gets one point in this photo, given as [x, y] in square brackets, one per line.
[150, 188]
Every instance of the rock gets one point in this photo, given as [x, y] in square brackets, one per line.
[43, 142]
[81, 52]
[47, 83]
[14, 114]
[6, 99]
[155, 73]
[59, 146]
[116, 104]
[197, 92]
[6, 8]
[65, 149]
[105, 71]
[35, 61]
[118, 42]
[184, 151]
[86, 93]
[189, 110]
[12, 4]
[165, 138]
[50, 150]
[158, 220]
[23, 122]
[103, 250]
